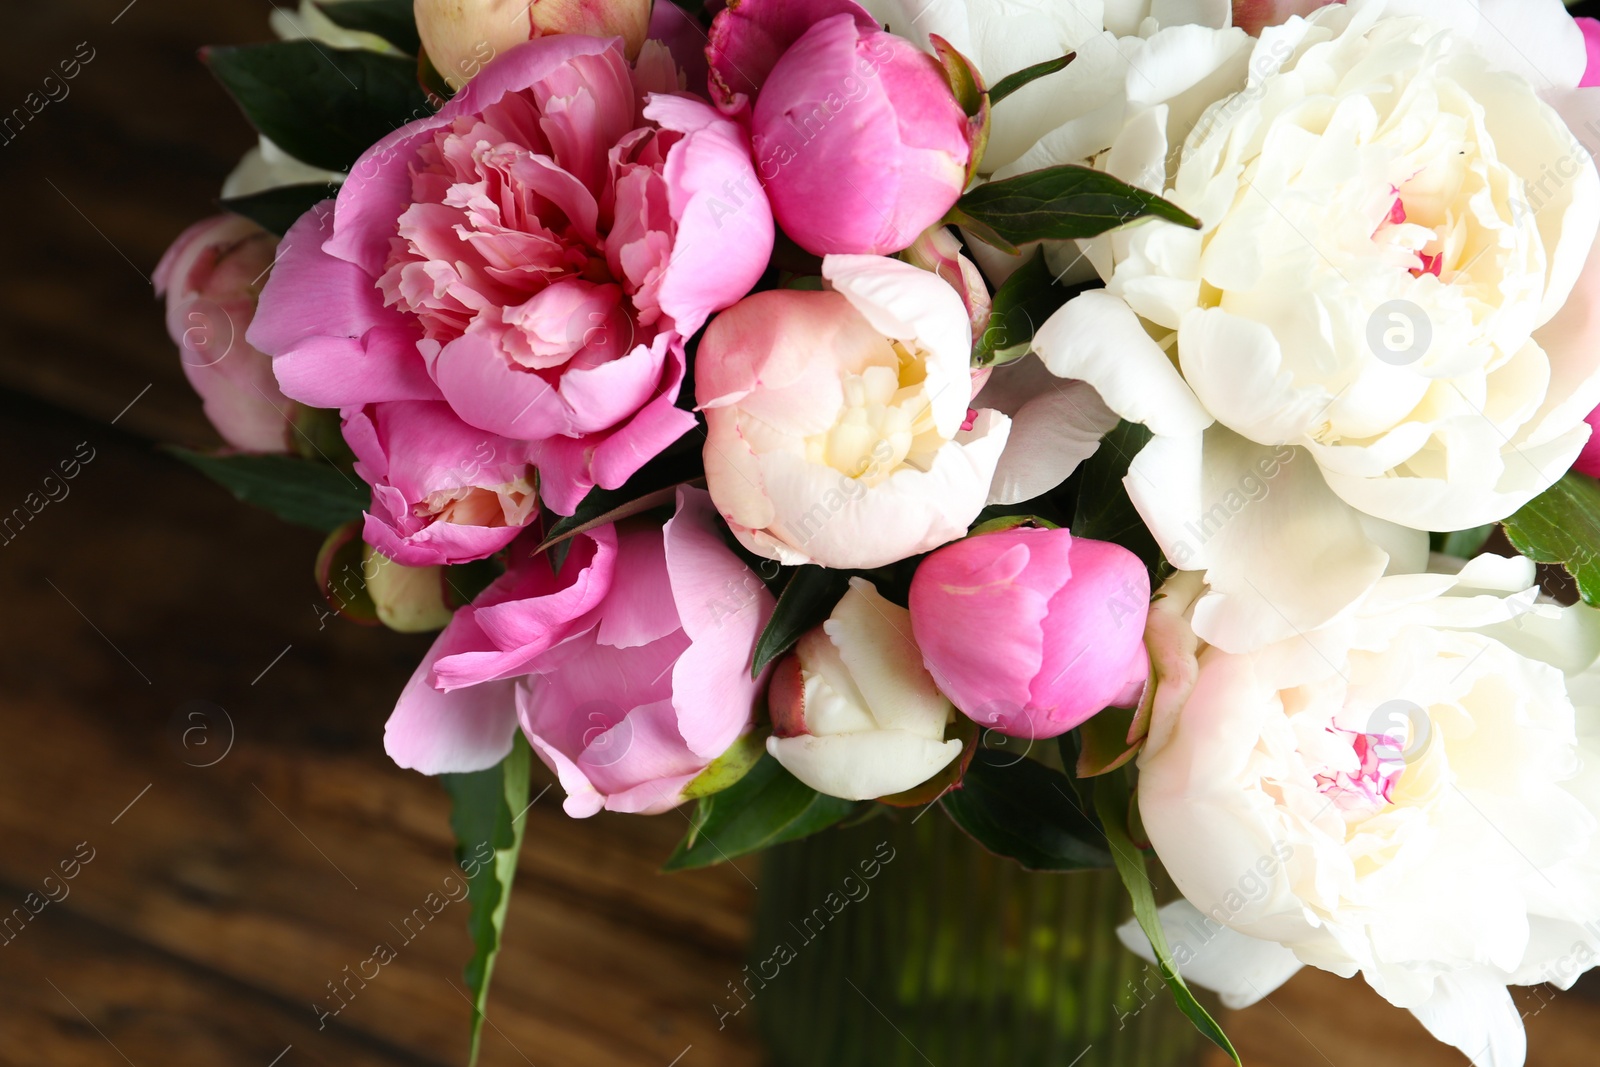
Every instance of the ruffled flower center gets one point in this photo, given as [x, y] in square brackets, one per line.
[542, 222]
[1368, 789]
[886, 421]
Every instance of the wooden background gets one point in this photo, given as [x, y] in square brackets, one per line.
[172, 699]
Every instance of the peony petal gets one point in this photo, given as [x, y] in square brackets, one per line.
[1098, 339]
[1055, 426]
[874, 640]
[450, 733]
[1473, 1011]
[908, 303]
[863, 766]
[1241, 969]
[725, 231]
[724, 607]
[1282, 554]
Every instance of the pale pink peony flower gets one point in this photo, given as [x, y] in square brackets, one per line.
[629, 669]
[211, 277]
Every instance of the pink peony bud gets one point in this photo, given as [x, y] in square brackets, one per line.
[1588, 461]
[461, 37]
[1033, 631]
[1591, 47]
[211, 277]
[857, 134]
[1253, 16]
[859, 140]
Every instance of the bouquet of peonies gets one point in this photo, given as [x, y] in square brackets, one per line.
[787, 405]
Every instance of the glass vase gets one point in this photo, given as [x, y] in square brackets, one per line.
[899, 941]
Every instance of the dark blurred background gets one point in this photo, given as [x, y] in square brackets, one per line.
[175, 704]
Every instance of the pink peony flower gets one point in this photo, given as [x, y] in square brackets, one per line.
[442, 492]
[1033, 631]
[629, 670]
[211, 277]
[534, 255]
[857, 134]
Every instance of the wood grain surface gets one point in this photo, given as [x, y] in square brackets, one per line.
[173, 700]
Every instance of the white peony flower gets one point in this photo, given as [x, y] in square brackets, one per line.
[838, 426]
[1389, 303]
[854, 712]
[1003, 37]
[1411, 793]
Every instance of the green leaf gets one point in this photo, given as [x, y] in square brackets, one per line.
[766, 807]
[296, 490]
[1012, 82]
[1562, 525]
[728, 769]
[806, 601]
[487, 813]
[1019, 808]
[278, 209]
[393, 20]
[1112, 803]
[324, 106]
[1104, 512]
[1463, 544]
[1021, 305]
[1057, 204]
[654, 485]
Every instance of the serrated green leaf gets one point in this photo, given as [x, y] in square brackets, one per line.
[1104, 512]
[1021, 305]
[324, 106]
[296, 490]
[1562, 525]
[1012, 82]
[393, 20]
[806, 601]
[1020, 809]
[488, 815]
[278, 209]
[766, 807]
[1112, 804]
[1058, 204]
